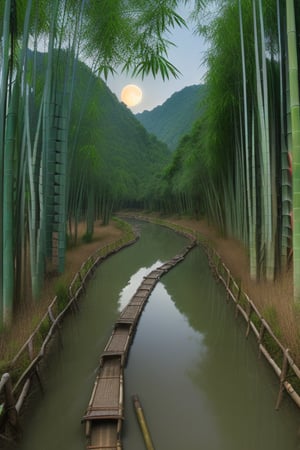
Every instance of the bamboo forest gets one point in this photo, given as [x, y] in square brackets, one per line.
[72, 155]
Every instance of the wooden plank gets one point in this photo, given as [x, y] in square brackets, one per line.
[155, 274]
[167, 266]
[177, 258]
[143, 292]
[136, 300]
[118, 342]
[148, 282]
[131, 312]
[104, 435]
[143, 295]
[107, 396]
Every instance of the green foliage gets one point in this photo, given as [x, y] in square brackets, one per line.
[62, 294]
[44, 328]
[21, 365]
[130, 34]
[87, 237]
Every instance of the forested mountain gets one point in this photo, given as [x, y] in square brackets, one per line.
[128, 155]
[109, 144]
[172, 120]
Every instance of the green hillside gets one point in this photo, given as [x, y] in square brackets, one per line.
[129, 155]
[172, 120]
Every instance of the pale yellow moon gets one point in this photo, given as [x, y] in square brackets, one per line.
[131, 95]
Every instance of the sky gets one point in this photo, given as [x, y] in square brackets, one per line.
[187, 56]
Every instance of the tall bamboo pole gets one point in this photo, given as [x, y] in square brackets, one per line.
[3, 108]
[295, 122]
[8, 225]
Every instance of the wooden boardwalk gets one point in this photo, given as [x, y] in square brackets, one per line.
[104, 414]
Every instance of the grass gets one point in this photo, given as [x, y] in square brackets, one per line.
[62, 294]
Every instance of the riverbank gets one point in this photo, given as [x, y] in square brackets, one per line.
[30, 313]
[274, 300]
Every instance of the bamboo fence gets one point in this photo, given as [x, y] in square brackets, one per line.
[276, 354]
[15, 384]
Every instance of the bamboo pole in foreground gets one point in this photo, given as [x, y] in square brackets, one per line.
[142, 422]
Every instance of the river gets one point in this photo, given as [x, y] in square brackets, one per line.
[200, 381]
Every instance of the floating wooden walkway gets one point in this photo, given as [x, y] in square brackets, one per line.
[104, 415]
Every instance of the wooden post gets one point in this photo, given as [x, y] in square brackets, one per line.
[10, 404]
[81, 279]
[282, 378]
[142, 422]
[261, 334]
[30, 347]
[237, 302]
[50, 313]
[228, 285]
[218, 266]
[38, 377]
[249, 319]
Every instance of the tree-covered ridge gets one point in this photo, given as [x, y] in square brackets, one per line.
[128, 156]
[172, 120]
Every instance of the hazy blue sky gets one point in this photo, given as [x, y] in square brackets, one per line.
[187, 56]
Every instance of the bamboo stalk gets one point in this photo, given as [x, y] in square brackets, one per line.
[142, 422]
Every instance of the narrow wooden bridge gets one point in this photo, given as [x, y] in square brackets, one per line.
[104, 415]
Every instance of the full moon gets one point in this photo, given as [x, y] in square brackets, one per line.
[131, 95]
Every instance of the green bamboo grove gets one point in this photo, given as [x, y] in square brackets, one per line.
[239, 166]
[49, 173]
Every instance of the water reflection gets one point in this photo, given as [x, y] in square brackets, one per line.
[135, 280]
[52, 421]
[200, 380]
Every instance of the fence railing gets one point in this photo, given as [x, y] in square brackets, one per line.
[15, 383]
[277, 355]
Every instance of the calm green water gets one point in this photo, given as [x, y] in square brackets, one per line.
[199, 380]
